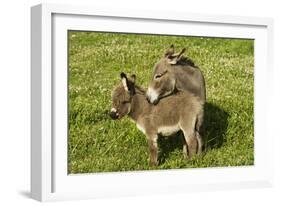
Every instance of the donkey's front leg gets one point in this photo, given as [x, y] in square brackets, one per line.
[153, 149]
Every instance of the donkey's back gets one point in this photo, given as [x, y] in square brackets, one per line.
[190, 78]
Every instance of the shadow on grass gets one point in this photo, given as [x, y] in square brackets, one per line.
[215, 125]
[169, 144]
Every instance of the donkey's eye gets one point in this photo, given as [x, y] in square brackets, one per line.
[157, 76]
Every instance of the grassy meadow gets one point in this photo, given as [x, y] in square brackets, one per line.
[98, 144]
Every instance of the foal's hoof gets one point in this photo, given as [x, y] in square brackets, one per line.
[185, 156]
[153, 164]
[190, 156]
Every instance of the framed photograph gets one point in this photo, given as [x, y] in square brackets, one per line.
[137, 102]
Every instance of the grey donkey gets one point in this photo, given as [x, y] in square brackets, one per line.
[175, 72]
[182, 111]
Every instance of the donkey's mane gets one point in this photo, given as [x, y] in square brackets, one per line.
[186, 61]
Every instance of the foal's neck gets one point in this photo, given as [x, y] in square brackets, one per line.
[138, 106]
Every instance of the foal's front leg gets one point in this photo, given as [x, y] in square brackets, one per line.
[153, 149]
[184, 148]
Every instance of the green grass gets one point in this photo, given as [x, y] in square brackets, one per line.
[98, 144]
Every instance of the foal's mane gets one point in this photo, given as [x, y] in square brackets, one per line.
[139, 90]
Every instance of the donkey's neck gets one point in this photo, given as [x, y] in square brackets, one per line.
[138, 106]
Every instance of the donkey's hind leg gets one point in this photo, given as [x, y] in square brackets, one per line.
[200, 142]
[191, 141]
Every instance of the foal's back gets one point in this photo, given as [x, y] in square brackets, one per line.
[171, 110]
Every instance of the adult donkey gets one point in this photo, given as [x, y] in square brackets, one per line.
[172, 73]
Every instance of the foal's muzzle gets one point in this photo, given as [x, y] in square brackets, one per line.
[155, 101]
[114, 115]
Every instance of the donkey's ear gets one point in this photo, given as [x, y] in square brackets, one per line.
[170, 51]
[173, 59]
[133, 78]
[124, 80]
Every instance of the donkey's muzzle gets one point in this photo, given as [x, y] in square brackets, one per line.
[154, 101]
[114, 115]
[152, 96]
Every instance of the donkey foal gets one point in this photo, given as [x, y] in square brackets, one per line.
[182, 111]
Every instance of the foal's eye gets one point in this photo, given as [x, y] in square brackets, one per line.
[125, 102]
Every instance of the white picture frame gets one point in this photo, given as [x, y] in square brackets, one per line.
[49, 178]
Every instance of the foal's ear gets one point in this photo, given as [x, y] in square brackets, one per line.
[127, 84]
[173, 59]
[133, 78]
[124, 81]
[170, 51]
